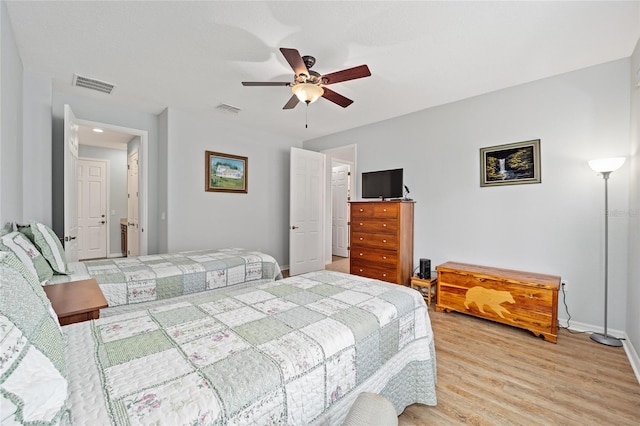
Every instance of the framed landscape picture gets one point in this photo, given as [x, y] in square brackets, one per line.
[225, 172]
[510, 164]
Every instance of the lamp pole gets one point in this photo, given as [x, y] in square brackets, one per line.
[604, 338]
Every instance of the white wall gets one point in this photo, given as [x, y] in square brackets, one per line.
[633, 292]
[10, 123]
[554, 227]
[197, 219]
[36, 160]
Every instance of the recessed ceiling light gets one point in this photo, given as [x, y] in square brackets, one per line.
[98, 130]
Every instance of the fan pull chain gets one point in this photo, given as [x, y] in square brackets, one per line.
[306, 115]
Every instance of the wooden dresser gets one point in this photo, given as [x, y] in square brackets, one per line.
[522, 299]
[381, 240]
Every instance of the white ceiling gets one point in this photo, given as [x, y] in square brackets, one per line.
[194, 55]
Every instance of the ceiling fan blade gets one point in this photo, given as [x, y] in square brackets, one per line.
[336, 98]
[291, 103]
[348, 74]
[295, 60]
[265, 83]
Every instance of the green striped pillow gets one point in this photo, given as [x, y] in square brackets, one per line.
[49, 245]
[28, 254]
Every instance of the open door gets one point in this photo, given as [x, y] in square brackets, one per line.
[340, 210]
[133, 220]
[306, 212]
[70, 185]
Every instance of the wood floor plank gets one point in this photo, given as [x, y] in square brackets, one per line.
[493, 374]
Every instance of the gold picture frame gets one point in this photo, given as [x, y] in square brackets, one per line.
[225, 172]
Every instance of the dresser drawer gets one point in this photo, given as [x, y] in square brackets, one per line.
[377, 210]
[371, 270]
[363, 239]
[367, 254]
[383, 226]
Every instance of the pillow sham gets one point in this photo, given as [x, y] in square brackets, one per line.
[16, 243]
[48, 243]
[8, 227]
[33, 383]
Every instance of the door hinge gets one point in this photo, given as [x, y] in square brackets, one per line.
[348, 223]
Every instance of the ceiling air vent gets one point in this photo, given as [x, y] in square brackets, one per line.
[228, 109]
[93, 84]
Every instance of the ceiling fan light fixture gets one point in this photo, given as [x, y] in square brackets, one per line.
[307, 92]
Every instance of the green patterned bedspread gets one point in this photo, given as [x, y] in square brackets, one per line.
[296, 351]
[128, 280]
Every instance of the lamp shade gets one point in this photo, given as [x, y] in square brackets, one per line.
[606, 165]
[307, 92]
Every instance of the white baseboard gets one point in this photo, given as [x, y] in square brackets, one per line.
[631, 352]
[115, 255]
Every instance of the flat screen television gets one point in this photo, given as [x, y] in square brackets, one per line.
[382, 184]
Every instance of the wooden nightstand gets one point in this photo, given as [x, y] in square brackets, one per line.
[76, 301]
[426, 286]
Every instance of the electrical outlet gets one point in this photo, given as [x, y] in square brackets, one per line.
[564, 284]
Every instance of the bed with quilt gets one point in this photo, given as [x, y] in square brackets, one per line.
[296, 351]
[129, 280]
[139, 279]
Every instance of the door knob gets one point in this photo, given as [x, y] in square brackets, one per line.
[294, 227]
[102, 222]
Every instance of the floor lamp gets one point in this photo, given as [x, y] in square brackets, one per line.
[605, 167]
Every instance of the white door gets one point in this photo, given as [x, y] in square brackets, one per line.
[70, 185]
[340, 210]
[92, 208]
[133, 220]
[306, 211]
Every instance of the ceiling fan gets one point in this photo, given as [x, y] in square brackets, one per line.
[307, 85]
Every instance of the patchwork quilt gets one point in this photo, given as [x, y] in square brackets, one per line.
[128, 280]
[296, 351]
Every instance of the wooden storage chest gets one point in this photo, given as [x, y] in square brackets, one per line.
[381, 240]
[522, 299]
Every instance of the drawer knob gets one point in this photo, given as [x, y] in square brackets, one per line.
[384, 257]
[361, 238]
[384, 241]
[361, 210]
[384, 225]
[361, 223]
[361, 254]
[384, 210]
[384, 275]
[361, 270]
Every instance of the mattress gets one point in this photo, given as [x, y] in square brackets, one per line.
[295, 351]
[130, 280]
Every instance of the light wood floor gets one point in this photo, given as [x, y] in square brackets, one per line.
[493, 374]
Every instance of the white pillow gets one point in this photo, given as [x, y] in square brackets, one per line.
[47, 241]
[18, 244]
[33, 383]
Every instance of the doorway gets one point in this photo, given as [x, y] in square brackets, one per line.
[127, 139]
[341, 182]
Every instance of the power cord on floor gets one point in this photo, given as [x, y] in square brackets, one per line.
[566, 308]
